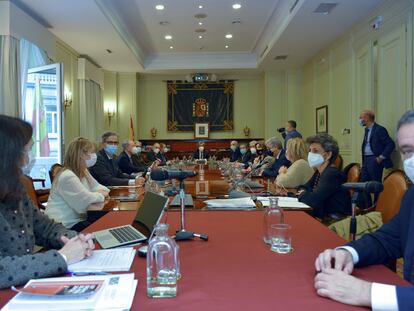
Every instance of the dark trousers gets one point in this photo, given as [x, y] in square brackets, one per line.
[371, 171]
[81, 225]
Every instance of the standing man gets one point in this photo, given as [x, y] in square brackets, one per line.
[289, 131]
[377, 147]
[393, 240]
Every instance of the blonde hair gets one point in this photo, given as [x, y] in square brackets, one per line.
[296, 149]
[76, 148]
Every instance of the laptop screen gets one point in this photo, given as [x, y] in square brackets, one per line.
[149, 212]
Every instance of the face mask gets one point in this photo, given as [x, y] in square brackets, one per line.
[111, 149]
[243, 151]
[156, 150]
[269, 152]
[362, 122]
[166, 150]
[232, 147]
[30, 163]
[315, 159]
[259, 151]
[409, 168]
[91, 162]
[134, 150]
[253, 150]
[201, 148]
[139, 150]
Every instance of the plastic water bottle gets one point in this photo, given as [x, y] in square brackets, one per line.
[163, 268]
[273, 215]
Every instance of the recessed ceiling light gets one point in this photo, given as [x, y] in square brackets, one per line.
[159, 7]
[229, 36]
[171, 47]
[200, 6]
[200, 23]
[226, 46]
[236, 6]
[200, 37]
[168, 37]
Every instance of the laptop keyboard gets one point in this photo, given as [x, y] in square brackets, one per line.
[126, 234]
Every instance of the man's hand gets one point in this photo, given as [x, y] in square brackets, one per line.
[379, 160]
[139, 181]
[340, 286]
[342, 260]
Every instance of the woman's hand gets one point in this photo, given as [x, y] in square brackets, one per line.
[77, 248]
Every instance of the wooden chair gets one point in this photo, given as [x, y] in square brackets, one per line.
[54, 170]
[38, 197]
[352, 172]
[338, 163]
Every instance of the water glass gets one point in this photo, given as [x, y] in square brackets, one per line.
[281, 238]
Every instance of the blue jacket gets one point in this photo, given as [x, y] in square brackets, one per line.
[393, 240]
[127, 166]
[152, 156]
[235, 155]
[288, 135]
[381, 144]
[273, 170]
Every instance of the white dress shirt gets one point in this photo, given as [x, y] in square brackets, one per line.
[70, 197]
[383, 296]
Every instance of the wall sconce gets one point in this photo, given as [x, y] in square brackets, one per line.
[68, 100]
[110, 109]
[153, 132]
[246, 131]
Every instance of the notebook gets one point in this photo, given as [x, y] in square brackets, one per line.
[147, 217]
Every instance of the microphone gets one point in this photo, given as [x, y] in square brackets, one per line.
[160, 175]
[369, 186]
[281, 130]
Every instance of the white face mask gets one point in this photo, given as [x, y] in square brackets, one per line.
[166, 150]
[201, 148]
[315, 159]
[134, 150]
[91, 161]
[27, 168]
[233, 147]
[409, 168]
[253, 150]
[156, 150]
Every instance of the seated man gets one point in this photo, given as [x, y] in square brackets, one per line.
[156, 154]
[138, 159]
[393, 240]
[125, 163]
[235, 154]
[106, 170]
[324, 192]
[252, 147]
[275, 147]
[201, 153]
[247, 158]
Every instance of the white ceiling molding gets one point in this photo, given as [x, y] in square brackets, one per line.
[110, 12]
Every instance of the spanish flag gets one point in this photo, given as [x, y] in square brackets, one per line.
[131, 129]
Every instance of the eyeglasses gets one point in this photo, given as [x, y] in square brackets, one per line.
[112, 142]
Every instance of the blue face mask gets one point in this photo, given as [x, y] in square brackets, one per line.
[362, 122]
[243, 151]
[269, 152]
[111, 149]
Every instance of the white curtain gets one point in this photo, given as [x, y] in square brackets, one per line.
[31, 56]
[10, 96]
[91, 110]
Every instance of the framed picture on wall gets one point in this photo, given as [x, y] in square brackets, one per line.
[322, 119]
[201, 130]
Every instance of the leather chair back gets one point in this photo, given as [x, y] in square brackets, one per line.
[54, 170]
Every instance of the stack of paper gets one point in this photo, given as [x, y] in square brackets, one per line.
[106, 260]
[285, 202]
[239, 203]
[116, 293]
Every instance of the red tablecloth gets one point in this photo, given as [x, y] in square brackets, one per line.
[235, 270]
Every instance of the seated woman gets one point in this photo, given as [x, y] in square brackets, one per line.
[74, 188]
[299, 172]
[22, 225]
[323, 192]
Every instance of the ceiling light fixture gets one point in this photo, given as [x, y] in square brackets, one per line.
[159, 7]
[171, 47]
[200, 37]
[168, 37]
[236, 6]
[229, 36]
[226, 46]
[200, 6]
[200, 23]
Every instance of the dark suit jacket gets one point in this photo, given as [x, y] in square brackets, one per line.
[235, 155]
[106, 171]
[273, 170]
[127, 166]
[288, 135]
[196, 154]
[393, 240]
[381, 144]
[328, 197]
[159, 156]
[247, 158]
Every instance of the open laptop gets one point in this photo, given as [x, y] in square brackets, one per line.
[147, 217]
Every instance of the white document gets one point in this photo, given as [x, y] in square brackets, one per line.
[106, 260]
[117, 293]
[285, 202]
[231, 203]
